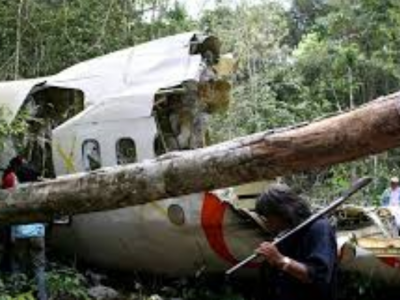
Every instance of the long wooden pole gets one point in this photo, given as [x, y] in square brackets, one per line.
[367, 130]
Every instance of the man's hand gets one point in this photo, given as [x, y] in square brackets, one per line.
[277, 259]
[271, 254]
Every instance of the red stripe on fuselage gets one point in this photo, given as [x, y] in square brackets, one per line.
[212, 220]
[394, 262]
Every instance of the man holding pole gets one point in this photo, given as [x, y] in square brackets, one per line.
[305, 265]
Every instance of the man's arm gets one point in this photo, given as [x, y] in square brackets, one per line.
[320, 256]
[284, 263]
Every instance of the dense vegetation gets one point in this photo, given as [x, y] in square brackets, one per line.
[318, 57]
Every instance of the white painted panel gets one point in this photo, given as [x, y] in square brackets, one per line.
[71, 138]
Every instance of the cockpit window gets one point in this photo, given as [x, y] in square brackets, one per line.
[91, 155]
[126, 151]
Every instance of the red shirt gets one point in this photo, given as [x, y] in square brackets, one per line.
[9, 181]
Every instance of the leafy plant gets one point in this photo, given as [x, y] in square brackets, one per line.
[67, 283]
[16, 287]
[12, 129]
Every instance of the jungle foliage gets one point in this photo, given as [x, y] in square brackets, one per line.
[318, 57]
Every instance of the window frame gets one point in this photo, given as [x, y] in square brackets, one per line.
[118, 147]
[85, 160]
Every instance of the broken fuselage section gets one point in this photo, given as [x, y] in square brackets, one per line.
[126, 107]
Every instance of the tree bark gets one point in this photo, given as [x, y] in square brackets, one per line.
[370, 129]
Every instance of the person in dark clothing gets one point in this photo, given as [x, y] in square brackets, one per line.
[8, 180]
[305, 265]
[28, 240]
[24, 171]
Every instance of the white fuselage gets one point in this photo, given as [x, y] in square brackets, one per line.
[177, 236]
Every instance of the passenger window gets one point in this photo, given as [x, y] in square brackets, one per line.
[91, 155]
[126, 151]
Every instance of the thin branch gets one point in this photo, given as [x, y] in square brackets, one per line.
[104, 25]
[18, 40]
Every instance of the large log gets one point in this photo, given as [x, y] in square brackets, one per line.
[367, 130]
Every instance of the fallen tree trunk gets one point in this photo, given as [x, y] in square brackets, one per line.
[370, 129]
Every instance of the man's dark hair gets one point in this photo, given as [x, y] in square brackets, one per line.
[23, 170]
[15, 162]
[280, 200]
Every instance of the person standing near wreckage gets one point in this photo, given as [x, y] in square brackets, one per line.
[28, 240]
[391, 199]
[391, 196]
[305, 265]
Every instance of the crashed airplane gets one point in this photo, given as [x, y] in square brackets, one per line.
[134, 105]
